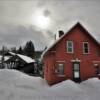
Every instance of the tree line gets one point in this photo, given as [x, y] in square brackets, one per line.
[28, 49]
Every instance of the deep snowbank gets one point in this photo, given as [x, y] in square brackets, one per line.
[15, 85]
[20, 79]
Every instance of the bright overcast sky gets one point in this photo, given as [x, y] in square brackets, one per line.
[20, 20]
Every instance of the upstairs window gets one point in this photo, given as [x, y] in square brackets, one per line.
[69, 46]
[85, 47]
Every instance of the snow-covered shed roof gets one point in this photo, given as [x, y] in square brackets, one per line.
[23, 57]
[26, 58]
[5, 58]
[65, 35]
[12, 53]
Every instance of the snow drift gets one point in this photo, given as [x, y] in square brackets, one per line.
[15, 85]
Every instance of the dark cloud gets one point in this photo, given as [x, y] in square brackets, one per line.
[46, 12]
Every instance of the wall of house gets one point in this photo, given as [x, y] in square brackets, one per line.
[87, 69]
[49, 67]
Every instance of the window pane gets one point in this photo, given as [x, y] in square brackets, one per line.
[60, 69]
[85, 44]
[69, 49]
[86, 48]
[76, 67]
[76, 74]
[69, 46]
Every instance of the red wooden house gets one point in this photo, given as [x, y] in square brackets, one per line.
[75, 55]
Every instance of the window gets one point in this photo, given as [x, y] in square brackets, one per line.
[76, 70]
[61, 69]
[85, 47]
[69, 47]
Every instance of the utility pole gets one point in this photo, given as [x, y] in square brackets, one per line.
[2, 61]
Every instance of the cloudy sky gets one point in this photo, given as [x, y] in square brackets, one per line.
[39, 20]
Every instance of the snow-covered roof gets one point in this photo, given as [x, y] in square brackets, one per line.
[23, 57]
[26, 58]
[55, 42]
[12, 53]
[5, 58]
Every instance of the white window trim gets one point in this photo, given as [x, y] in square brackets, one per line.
[76, 60]
[72, 47]
[61, 61]
[96, 61]
[61, 75]
[88, 48]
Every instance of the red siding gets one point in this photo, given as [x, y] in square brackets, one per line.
[87, 69]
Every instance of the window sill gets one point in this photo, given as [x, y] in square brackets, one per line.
[61, 75]
[86, 53]
[70, 52]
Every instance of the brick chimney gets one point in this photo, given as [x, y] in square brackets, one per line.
[61, 33]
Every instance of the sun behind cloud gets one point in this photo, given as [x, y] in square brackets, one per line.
[40, 20]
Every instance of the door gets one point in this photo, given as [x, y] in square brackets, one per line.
[76, 72]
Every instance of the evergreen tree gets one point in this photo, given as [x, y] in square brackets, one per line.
[20, 50]
[29, 49]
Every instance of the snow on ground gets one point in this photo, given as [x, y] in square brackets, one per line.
[15, 85]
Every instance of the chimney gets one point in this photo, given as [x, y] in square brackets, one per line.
[61, 33]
